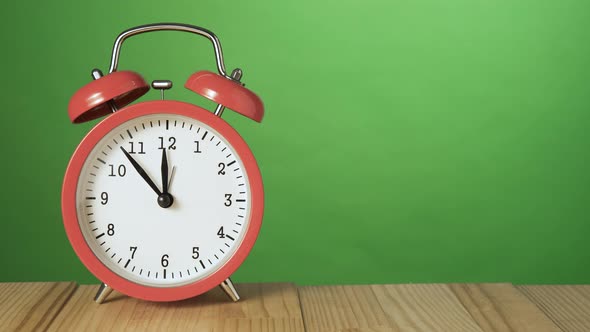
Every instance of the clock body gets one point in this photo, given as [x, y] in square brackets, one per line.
[130, 242]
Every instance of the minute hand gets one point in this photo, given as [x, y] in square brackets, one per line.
[142, 172]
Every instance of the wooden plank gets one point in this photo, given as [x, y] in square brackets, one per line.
[418, 307]
[263, 307]
[32, 306]
[338, 308]
[567, 306]
[501, 307]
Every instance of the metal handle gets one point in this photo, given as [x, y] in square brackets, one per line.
[171, 27]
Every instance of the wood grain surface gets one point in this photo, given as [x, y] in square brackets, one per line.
[32, 306]
[263, 307]
[567, 306]
[501, 307]
[424, 307]
[284, 307]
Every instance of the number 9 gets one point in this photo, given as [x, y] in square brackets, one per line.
[104, 198]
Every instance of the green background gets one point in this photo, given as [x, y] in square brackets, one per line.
[404, 141]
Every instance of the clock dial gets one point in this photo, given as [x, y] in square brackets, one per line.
[156, 234]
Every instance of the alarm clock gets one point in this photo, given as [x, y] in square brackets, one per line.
[162, 200]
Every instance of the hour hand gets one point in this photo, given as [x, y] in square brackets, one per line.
[141, 172]
[164, 172]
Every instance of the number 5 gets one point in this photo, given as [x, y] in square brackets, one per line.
[195, 252]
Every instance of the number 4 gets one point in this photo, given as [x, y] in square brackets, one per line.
[220, 233]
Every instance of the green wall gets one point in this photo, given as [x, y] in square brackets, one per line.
[405, 141]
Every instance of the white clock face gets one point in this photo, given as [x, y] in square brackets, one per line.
[145, 240]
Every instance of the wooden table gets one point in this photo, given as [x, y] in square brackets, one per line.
[65, 306]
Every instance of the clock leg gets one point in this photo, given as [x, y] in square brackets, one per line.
[103, 291]
[228, 287]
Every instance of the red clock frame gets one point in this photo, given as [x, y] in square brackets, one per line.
[83, 250]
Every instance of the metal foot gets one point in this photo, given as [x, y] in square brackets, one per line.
[103, 291]
[228, 287]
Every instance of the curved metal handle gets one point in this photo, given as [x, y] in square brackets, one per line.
[173, 27]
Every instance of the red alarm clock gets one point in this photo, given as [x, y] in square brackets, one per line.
[162, 200]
